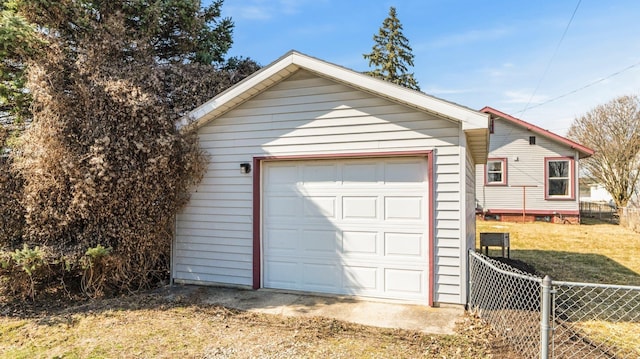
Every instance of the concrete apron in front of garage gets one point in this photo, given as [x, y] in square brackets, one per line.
[374, 313]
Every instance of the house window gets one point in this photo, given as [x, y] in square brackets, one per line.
[532, 140]
[496, 171]
[491, 124]
[559, 178]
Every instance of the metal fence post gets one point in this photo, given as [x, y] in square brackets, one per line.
[545, 315]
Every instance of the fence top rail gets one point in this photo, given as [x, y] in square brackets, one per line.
[595, 285]
[483, 259]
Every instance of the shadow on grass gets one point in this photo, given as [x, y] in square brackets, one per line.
[574, 267]
[51, 309]
[589, 221]
[54, 309]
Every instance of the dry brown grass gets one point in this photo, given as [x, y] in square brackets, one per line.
[623, 336]
[591, 252]
[154, 325]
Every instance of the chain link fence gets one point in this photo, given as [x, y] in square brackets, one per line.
[509, 300]
[596, 320]
[580, 320]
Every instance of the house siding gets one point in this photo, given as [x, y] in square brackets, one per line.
[525, 167]
[310, 115]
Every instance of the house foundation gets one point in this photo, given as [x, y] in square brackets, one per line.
[531, 217]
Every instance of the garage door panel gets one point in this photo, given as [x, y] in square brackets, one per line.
[356, 227]
[363, 173]
[281, 177]
[283, 206]
[320, 207]
[404, 281]
[359, 243]
[403, 208]
[325, 276]
[360, 208]
[405, 172]
[278, 274]
[404, 245]
[319, 242]
[360, 278]
[319, 174]
[278, 241]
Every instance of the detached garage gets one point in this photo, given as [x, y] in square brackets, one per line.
[326, 180]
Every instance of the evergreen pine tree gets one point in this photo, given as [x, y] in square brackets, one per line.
[391, 54]
[179, 32]
[20, 42]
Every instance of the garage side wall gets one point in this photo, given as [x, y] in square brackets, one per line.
[309, 115]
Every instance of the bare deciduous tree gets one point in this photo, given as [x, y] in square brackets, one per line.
[613, 131]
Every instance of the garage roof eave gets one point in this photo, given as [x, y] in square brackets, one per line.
[292, 61]
[478, 142]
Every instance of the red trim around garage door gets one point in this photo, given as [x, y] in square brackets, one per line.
[257, 205]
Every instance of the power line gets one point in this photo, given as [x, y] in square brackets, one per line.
[566, 29]
[584, 87]
[564, 33]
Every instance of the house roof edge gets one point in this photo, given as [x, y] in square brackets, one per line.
[584, 150]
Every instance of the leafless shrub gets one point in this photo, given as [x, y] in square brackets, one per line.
[103, 162]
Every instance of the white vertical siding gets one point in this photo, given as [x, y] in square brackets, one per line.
[525, 166]
[307, 114]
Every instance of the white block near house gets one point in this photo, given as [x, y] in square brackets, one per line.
[597, 193]
[356, 186]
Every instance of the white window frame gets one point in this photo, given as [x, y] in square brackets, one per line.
[503, 172]
[569, 178]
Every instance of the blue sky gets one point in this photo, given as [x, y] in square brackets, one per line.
[502, 54]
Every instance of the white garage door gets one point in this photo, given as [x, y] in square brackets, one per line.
[356, 226]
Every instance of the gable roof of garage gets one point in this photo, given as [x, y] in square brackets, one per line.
[474, 123]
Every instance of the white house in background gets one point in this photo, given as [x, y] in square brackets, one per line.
[327, 180]
[531, 174]
[595, 192]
